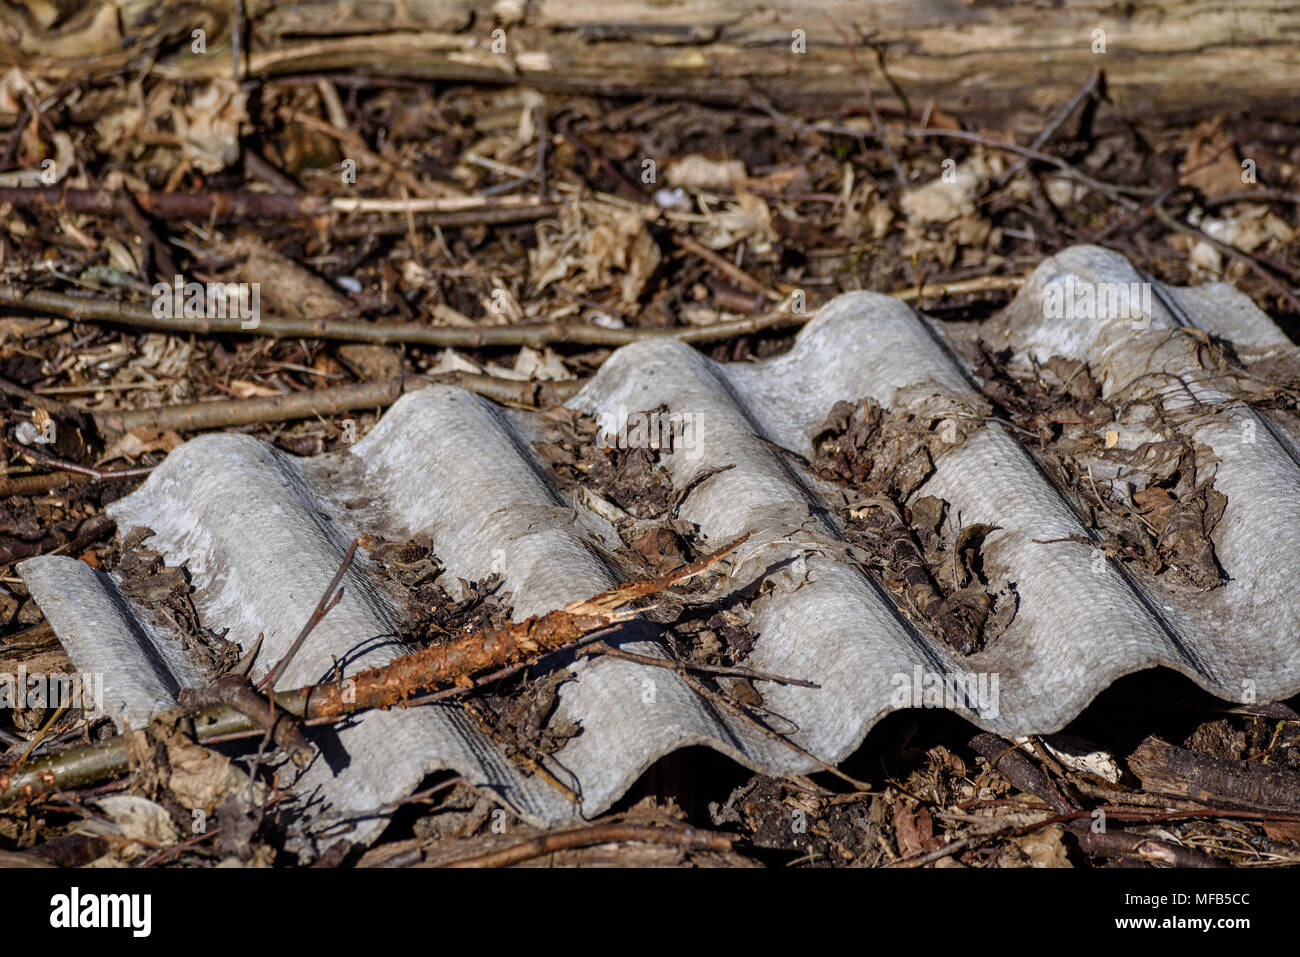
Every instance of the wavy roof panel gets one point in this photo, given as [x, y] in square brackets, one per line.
[263, 533]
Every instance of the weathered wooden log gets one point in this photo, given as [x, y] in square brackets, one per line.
[1170, 59]
[1177, 772]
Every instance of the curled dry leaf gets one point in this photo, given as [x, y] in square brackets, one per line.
[139, 442]
[545, 366]
[145, 824]
[209, 126]
[201, 778]
[1211, 163]
[950, 196]
[700, 172]
[595, 245]
[1255, 228]
[17, 84]
[914, 829]
[1045, 847]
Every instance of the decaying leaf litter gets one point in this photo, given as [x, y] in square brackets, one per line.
[561, 250]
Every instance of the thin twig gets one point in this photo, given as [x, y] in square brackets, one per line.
[604, 648]
[53, 462]
[245, 206]
[85, 308]
[196, 416]
[727, 268]
[1062, 115]
[525, 334]
[322, 609]
[687, 838]
[740, 712]
[1258, 195]
[881, 135]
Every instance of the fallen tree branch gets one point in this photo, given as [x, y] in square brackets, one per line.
[88, 309]
[486, 216]
[196, 416]
[1012, 764]
[36, 483]
[455, 661]
[85, 308]
[396, 683]
[994, 66]
[687, 838]
[1177, 772]
[244, 206]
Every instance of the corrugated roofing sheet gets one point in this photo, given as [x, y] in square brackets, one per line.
[263, 532]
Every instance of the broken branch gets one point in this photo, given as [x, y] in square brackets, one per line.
[86, 309]
[687, 838]
[397, 682]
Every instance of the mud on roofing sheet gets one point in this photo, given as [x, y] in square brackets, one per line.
[1002, 519]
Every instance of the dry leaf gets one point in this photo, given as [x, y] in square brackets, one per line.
[778, 180]
[245, 389]
[700, 172]
[595, 245]
[201, 778]
[1211, 164]
[16, 85]
[1045, 847]
[1288, 831]
[1155, 504]
[370, 361]
[944, 199]
[138, 820]
[1248, 231]
[914, 829]
[449, 360]
[138, 442]
[1063, 191]
[541, 366]
[939, 120]
[209, 126]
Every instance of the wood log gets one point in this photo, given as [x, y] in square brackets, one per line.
[1173, 59]
[1177, 772]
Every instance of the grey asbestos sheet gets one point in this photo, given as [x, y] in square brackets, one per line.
[263, 532]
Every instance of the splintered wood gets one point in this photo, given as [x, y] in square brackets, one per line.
[456, 662]
[232, 707]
